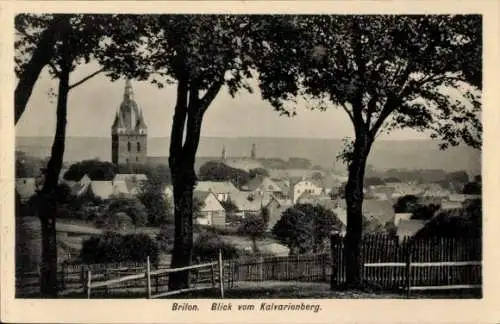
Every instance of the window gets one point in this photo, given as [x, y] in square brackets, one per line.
[129, 146]
[138, 147]
[136, 159]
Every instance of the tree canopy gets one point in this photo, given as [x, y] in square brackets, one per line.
[305, 227]
[218, 171]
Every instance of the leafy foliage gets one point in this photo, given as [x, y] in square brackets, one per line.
[130, 206]
[207, 246]
[113, 247]
[157, 205]
[254, 226]
[463, 222]
[95, 169]
[305, 227]
[413, 204]
[217, 171]
[258, 172]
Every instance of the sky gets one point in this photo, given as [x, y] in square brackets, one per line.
[93, 104]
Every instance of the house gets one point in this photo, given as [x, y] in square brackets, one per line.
[26, 187]
[221, 189]
[399, 217]
[263, 184]
[379, 210]
[80, 188]
[305, 186]
[251, 203]
[212, 212]
[132, 181]
[102, 189]
[409, 228]
[374, 209]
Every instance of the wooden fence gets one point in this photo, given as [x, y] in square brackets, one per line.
[413, 264]
[310, 267]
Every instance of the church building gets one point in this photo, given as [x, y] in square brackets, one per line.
[129, 133]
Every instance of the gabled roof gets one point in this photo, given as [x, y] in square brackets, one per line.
[264, 183]
[408, 228]
[248, 201]
[102, 189]
[130, 177]
[79, 188]
[381, 210]
[25, 187]
[120, 187]
[245, 164]
[201, 195]
[216, 187]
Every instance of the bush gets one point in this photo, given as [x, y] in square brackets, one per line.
[207, 246]
[113, 247]
[165, 239]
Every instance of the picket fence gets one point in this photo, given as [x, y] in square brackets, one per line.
[413, 264]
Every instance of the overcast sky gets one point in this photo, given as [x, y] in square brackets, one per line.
[92, 106]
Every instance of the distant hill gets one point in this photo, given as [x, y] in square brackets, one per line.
[408, 154]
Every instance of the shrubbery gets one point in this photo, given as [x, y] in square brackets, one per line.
[207, 246]
[113, 247]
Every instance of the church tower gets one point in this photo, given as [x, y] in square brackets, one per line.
[129, 133]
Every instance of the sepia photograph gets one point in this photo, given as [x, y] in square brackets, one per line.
[282, 158]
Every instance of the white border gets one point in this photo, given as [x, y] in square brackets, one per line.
[158, 311]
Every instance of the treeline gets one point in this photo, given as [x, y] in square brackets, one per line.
[291, 163]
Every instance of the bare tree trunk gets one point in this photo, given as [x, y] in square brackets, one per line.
[354, 201]
[41, 57]
[48, 206]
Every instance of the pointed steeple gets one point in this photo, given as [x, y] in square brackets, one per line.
[128, 94]
[223, 154]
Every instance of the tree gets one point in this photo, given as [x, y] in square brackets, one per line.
[119, 221]
[200, 54]
[374, 181]
[465, 222]
[152, 197]
[114, 247]
[94, 169]
[129, 206]
[299, 163]
[217, 171]
[254, 226]
[413, 204]
[258, 172]
[73, 41]
[304, 227]
[406, 204]
[473, 188]
[386, 73]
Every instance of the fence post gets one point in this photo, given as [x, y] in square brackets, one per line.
[335, 240]
[408, 267]
[213, 274]
[261, 267]
[89, 281]
[148, 276]
[63, 277]
[221, 274]
[323, 266]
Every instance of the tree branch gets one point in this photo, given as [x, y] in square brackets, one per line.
[90, 76]
[210, 95]
[349, 113]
